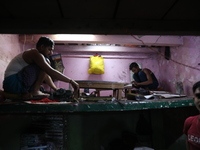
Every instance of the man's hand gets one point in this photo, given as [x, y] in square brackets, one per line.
[75, 85]
[135, 84]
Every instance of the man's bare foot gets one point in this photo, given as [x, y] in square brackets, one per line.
[27, 96]
[40, 94]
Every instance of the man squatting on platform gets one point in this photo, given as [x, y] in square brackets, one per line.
[28, 70]
[144, 78]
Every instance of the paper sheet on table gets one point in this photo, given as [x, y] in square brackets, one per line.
[171, 95]
[148, 96]
[128, 86]
[159, 92]
[167, 95]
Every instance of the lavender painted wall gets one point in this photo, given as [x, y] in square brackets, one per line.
[172, 72]
[9, 47]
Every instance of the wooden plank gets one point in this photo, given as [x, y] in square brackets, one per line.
[105, 49]
[104, 85]
[100, 85]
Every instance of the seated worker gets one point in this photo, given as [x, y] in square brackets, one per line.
[28, 70]
[144, 78]
[192, 124]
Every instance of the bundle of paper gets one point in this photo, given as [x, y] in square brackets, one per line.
[163, 94]
[168, 95]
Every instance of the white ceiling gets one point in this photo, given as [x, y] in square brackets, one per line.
[148, 17]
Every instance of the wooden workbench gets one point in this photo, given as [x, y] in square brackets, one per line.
[103, 85]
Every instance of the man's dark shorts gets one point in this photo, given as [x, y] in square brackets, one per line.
[23, 81]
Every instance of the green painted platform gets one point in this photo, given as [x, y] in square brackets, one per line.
[122, 105]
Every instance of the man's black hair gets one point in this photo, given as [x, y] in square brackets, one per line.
[133, 65]
[45, 41]
[196, 86]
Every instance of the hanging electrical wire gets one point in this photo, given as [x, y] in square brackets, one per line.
[164, 55]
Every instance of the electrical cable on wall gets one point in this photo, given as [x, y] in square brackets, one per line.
[165, 55]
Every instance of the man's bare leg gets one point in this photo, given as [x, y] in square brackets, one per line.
[36, 92]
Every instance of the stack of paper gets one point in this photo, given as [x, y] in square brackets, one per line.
[170, 95]
[128, 86]
[163, 94]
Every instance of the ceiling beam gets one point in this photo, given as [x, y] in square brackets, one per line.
[105, 49]
[109, 56]
[100, 26]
